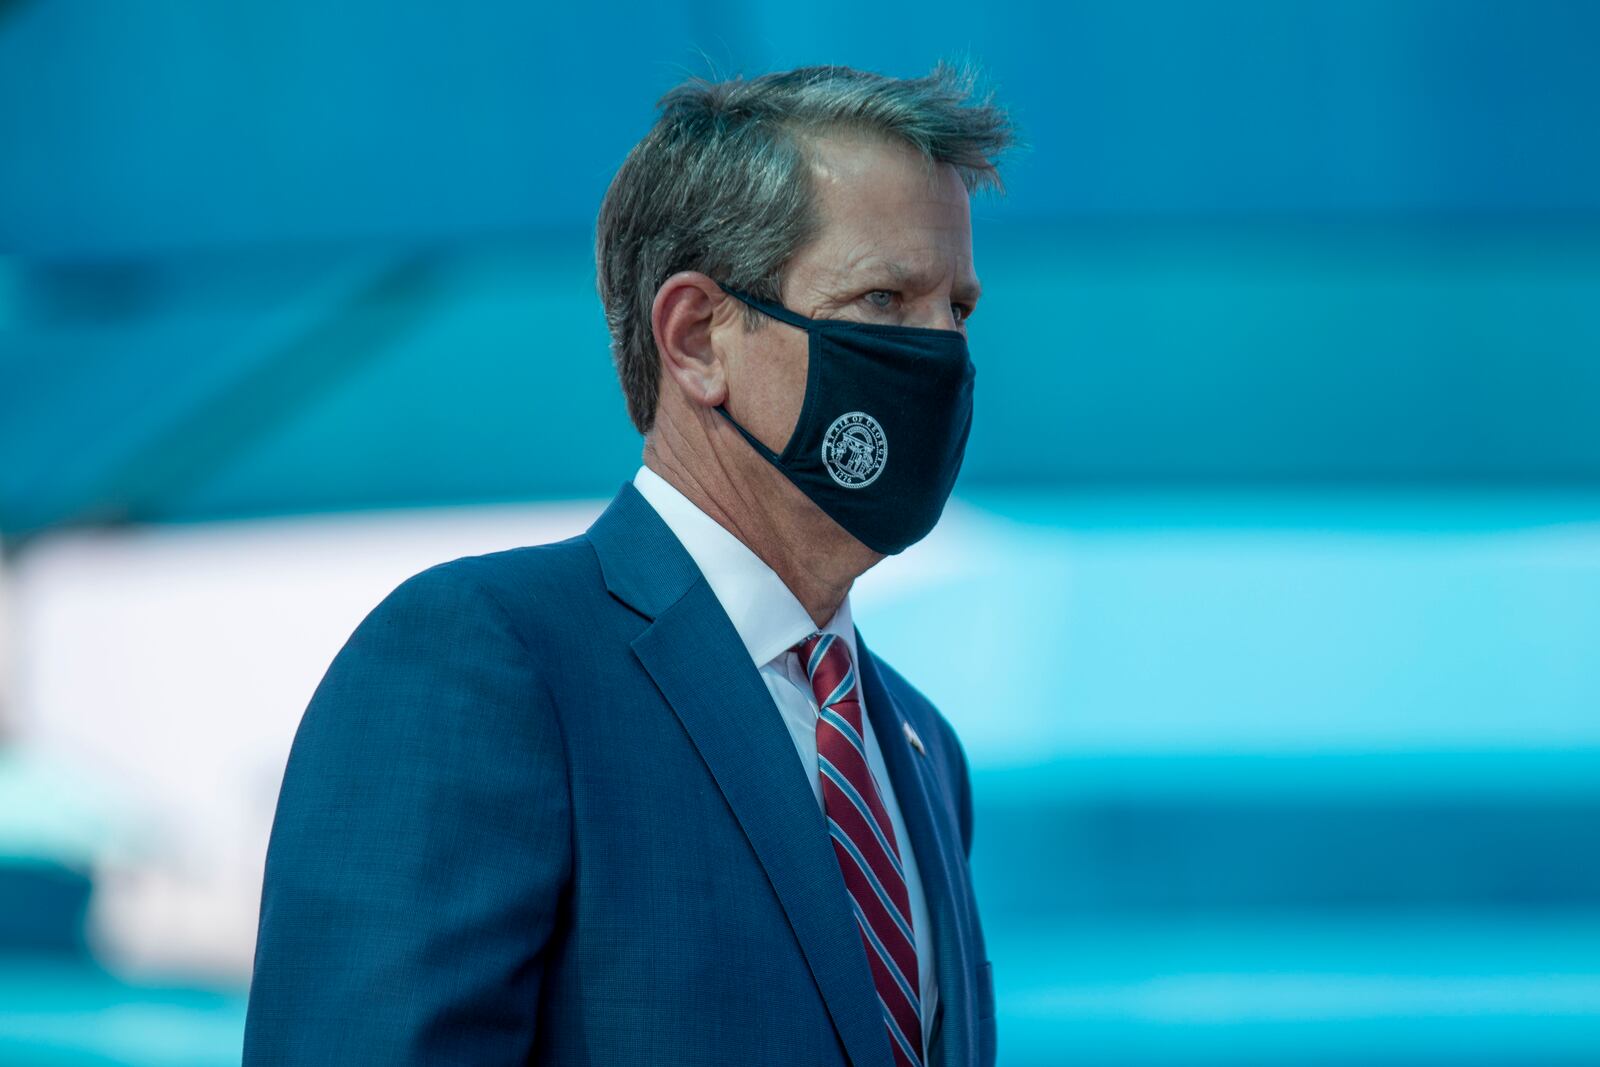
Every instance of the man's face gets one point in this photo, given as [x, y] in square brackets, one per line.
[895, 248]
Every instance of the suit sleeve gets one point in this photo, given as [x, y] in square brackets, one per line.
[963, 783]
[967, 821]
[420, 847]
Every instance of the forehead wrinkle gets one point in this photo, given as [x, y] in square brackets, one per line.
[900, 273]
[844, 275]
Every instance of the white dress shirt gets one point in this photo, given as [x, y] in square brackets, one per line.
[770, 620]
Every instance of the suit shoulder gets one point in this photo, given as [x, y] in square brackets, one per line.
[515, 574]
[925, 715]
[551, 561]
[903, 689]
[454, 641]
[519, 585]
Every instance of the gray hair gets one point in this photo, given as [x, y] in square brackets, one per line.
[720, 185]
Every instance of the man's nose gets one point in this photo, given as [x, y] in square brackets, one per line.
[939, 316]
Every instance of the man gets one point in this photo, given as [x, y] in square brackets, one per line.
[546, 804]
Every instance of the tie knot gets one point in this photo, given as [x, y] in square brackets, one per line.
[828, 666]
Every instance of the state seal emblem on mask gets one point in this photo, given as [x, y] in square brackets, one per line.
[855, 450]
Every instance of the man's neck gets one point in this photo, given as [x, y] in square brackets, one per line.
[816, 563]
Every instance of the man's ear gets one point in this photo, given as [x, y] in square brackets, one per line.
[687, 307]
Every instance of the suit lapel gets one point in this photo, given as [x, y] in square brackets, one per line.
[696, 659]
[911, 775]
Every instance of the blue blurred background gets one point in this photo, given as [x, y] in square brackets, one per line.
[1278, 539]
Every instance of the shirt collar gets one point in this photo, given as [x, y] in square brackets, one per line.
[767, 616]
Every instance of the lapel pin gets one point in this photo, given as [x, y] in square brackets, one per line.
[911, 735]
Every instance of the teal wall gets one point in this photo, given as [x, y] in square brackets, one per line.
[269, 258]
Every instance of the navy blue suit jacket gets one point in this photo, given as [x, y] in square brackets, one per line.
[541, 809]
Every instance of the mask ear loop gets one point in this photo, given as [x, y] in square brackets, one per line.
[767, 307]
[755, 442]
[782, 314]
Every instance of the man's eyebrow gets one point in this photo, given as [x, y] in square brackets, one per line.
[902, 276]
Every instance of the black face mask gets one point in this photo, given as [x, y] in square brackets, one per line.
[883, 425]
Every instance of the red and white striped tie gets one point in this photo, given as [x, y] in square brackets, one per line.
[864, 842]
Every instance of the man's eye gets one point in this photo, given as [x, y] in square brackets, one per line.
[881, 298]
